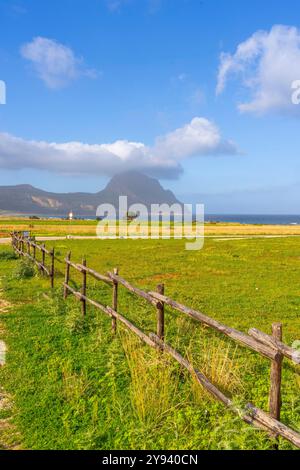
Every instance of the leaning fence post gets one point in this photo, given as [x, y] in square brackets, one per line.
[52, 268]
[43, 257]
[160, 308]
[67, 275]
[115, 302]
[276, 372]
[34, 252]
[13, 239]
[83, 289]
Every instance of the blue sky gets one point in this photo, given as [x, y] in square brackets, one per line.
[134, 83]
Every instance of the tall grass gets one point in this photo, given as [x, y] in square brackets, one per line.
[217, 360]
[154, 380]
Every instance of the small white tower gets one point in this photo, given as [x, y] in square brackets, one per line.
[71, 215]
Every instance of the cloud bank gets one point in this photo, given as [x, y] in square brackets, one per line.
[54, 63]
[267, 63]
[200, 137]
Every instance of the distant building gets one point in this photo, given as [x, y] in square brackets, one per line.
[71, 215]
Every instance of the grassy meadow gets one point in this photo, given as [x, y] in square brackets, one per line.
[74, 386]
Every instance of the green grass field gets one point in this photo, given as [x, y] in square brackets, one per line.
[75, 386]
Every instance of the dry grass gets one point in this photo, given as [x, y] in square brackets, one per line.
[154, 381]
[60, 228]
[252, 229]
[217, 360]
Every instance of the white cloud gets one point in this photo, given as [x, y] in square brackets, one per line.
[268, 63]
[54, 63]
[182, 77]
[116, 5]
[198, 138]
[197, 97]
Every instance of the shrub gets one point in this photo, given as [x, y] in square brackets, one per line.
[8, 255]
[24, 270]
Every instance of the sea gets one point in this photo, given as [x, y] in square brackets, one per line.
[254, 219]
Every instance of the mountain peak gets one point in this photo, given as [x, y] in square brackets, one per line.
[139, 189]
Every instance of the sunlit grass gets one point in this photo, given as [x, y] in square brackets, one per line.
[75, 385]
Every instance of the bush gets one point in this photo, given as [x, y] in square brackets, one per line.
[8, 255]
[24, 270]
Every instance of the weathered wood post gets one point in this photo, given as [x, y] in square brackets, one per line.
[52, 254]
[67, 274]
[34, 252]
[19, 244]
[276, 373]
[43, 257]
[115, 302]
[13, 240]
[83, 289]
[160, 309]
[28, 248]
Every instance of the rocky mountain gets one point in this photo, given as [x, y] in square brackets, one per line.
[139, 188]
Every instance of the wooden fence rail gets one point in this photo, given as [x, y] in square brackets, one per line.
[270, 347]
[232, 333]
[19, 242]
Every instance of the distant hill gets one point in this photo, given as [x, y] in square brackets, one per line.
[139, 188]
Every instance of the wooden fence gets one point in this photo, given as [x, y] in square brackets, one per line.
[270, 347]
[28, 248]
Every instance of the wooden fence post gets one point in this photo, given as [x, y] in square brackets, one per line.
[83, 289]
[115, 302]
[34, 252]
[52, 268]
[276, 373]
[67, 275]
[161, 314]
[43, 257]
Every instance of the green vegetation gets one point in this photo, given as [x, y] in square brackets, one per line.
[7, 255]
[75, 386]
[23, 269]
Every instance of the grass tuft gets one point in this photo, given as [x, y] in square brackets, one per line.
[24, 269]
[217, 360]
[154, 380]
